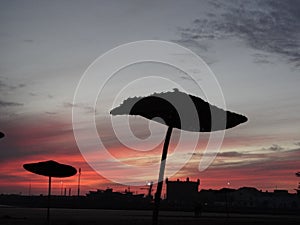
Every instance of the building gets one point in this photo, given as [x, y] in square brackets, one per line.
[249, 199]
[182, 192]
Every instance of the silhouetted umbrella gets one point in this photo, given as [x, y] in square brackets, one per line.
[298, 174]
[50, 169]
[178, 110]
[2, 135]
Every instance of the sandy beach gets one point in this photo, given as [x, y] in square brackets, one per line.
[33, 216]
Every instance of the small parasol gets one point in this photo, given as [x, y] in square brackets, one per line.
[2, 135]
[177, 110]
[50, 169]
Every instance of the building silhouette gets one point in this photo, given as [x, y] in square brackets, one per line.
[182, 193]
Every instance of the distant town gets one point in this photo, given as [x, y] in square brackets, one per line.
[181, 195]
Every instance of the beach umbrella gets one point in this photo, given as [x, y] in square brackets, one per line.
[50, 169]
[298, 174]
[2, 135]
[179, 110]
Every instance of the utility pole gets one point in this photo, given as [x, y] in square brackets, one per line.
[29, 189]
[61, 188]
[78, 188]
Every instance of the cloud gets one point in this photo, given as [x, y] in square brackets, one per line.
[297, 143]
[231, 154]
[36, 136]
[33, 94]
[262, 58]
[267, 171]
[245, 159]
[275, 148]
[42, 138]
[270, 26]
[83, 106]
[220, 154]
[51, 113]
[8, 104]
[68, 105]
[4, 86]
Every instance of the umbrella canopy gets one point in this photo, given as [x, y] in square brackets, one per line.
[180, 110]
[298, 174]
[1, 135]
[50, 169]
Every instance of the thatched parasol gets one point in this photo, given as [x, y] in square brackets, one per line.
[50, 169]
[178, 110]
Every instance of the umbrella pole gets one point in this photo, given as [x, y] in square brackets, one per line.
[49, 194]
[161, 176]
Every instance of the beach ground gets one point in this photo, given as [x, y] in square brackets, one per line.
[33, 216]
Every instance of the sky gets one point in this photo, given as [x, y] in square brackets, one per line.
[253, 49]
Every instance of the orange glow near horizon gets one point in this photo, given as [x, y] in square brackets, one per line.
[262, 168]
[212, 178]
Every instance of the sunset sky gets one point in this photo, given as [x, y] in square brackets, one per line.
[252, 48]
